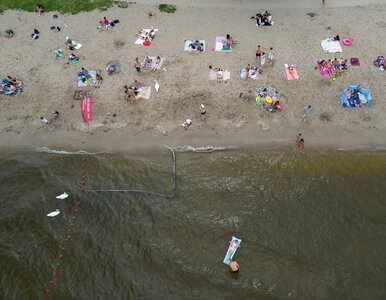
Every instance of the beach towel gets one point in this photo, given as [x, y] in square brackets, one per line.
[354, 61]
[86, 107]
[291, 75]
[331, 46]
[252, 74]
[144, 92]
[141, 39]
[154, 61]
[233, 246]
[221, 44]
[226, 75]
[188, 43]
[88, 82]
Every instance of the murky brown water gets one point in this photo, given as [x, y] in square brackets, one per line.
[313, 226]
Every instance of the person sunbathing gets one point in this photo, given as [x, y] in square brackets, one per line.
[234, 245]
[229, 41]
[11, 90]
[148, 62]
[13, 81]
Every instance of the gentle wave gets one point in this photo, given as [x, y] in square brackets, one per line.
[64, 152]
[203, 149]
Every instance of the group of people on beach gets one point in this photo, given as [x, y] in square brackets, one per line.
[263, 19]
[262, 56]
[9, 85]
[334, 67]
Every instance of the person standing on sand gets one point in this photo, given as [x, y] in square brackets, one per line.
[203, 112]
[258, 53]
[306, 113]
[137, 65]
[270, 56]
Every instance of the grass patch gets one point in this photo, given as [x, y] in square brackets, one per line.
[168, 8]
[63, 6]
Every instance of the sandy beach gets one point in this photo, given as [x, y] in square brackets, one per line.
[49, 84]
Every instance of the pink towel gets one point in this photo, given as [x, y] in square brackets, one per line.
[291, 75]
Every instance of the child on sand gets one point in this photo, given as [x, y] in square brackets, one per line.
[262, 59]
[270, 56]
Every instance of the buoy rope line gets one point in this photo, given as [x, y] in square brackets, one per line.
[173, 196]
[70, 231]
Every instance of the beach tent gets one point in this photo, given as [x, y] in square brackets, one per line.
[355, 96]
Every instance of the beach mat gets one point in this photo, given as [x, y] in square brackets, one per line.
[229, 255]
[86, 108]
[252, 74]
[144, 92]
[291, 76]
[187, 48]
[354, 61]
[220, 41]
[213, 75]
[141, 39]
[90, 82]
[6, 89]
[154, 61]
[330, 46]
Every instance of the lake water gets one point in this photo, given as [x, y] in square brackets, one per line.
[313, 225]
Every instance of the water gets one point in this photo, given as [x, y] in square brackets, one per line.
[313, 226]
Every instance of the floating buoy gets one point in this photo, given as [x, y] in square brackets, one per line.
[54, 213]
[62, 196]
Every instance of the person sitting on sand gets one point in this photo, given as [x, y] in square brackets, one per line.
[99, 80]
[137, 84]
[73, 58]
[13, 81]
[130, 95]
[148, 62]
[69, 44]
[39, 9]
[229, 41]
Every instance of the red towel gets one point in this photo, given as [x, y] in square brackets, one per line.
[86, 107]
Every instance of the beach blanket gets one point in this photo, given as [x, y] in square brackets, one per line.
[144, 92]
[233, 246]
[142, 37]
[331, 46]
[6, 89]
[226, 75]
[86, 108]
[188, 45]
[84, 82]
[252, 74]
[221, 44]
[154, 61]
[291, 75]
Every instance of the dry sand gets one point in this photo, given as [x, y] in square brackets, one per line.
[295, 37]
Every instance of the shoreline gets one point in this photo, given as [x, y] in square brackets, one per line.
[120, 142]
[146, 125]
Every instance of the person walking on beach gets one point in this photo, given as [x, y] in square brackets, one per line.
[270, 56]
[203, 112]
[300, 144]
[306, 113]
[137, 65]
